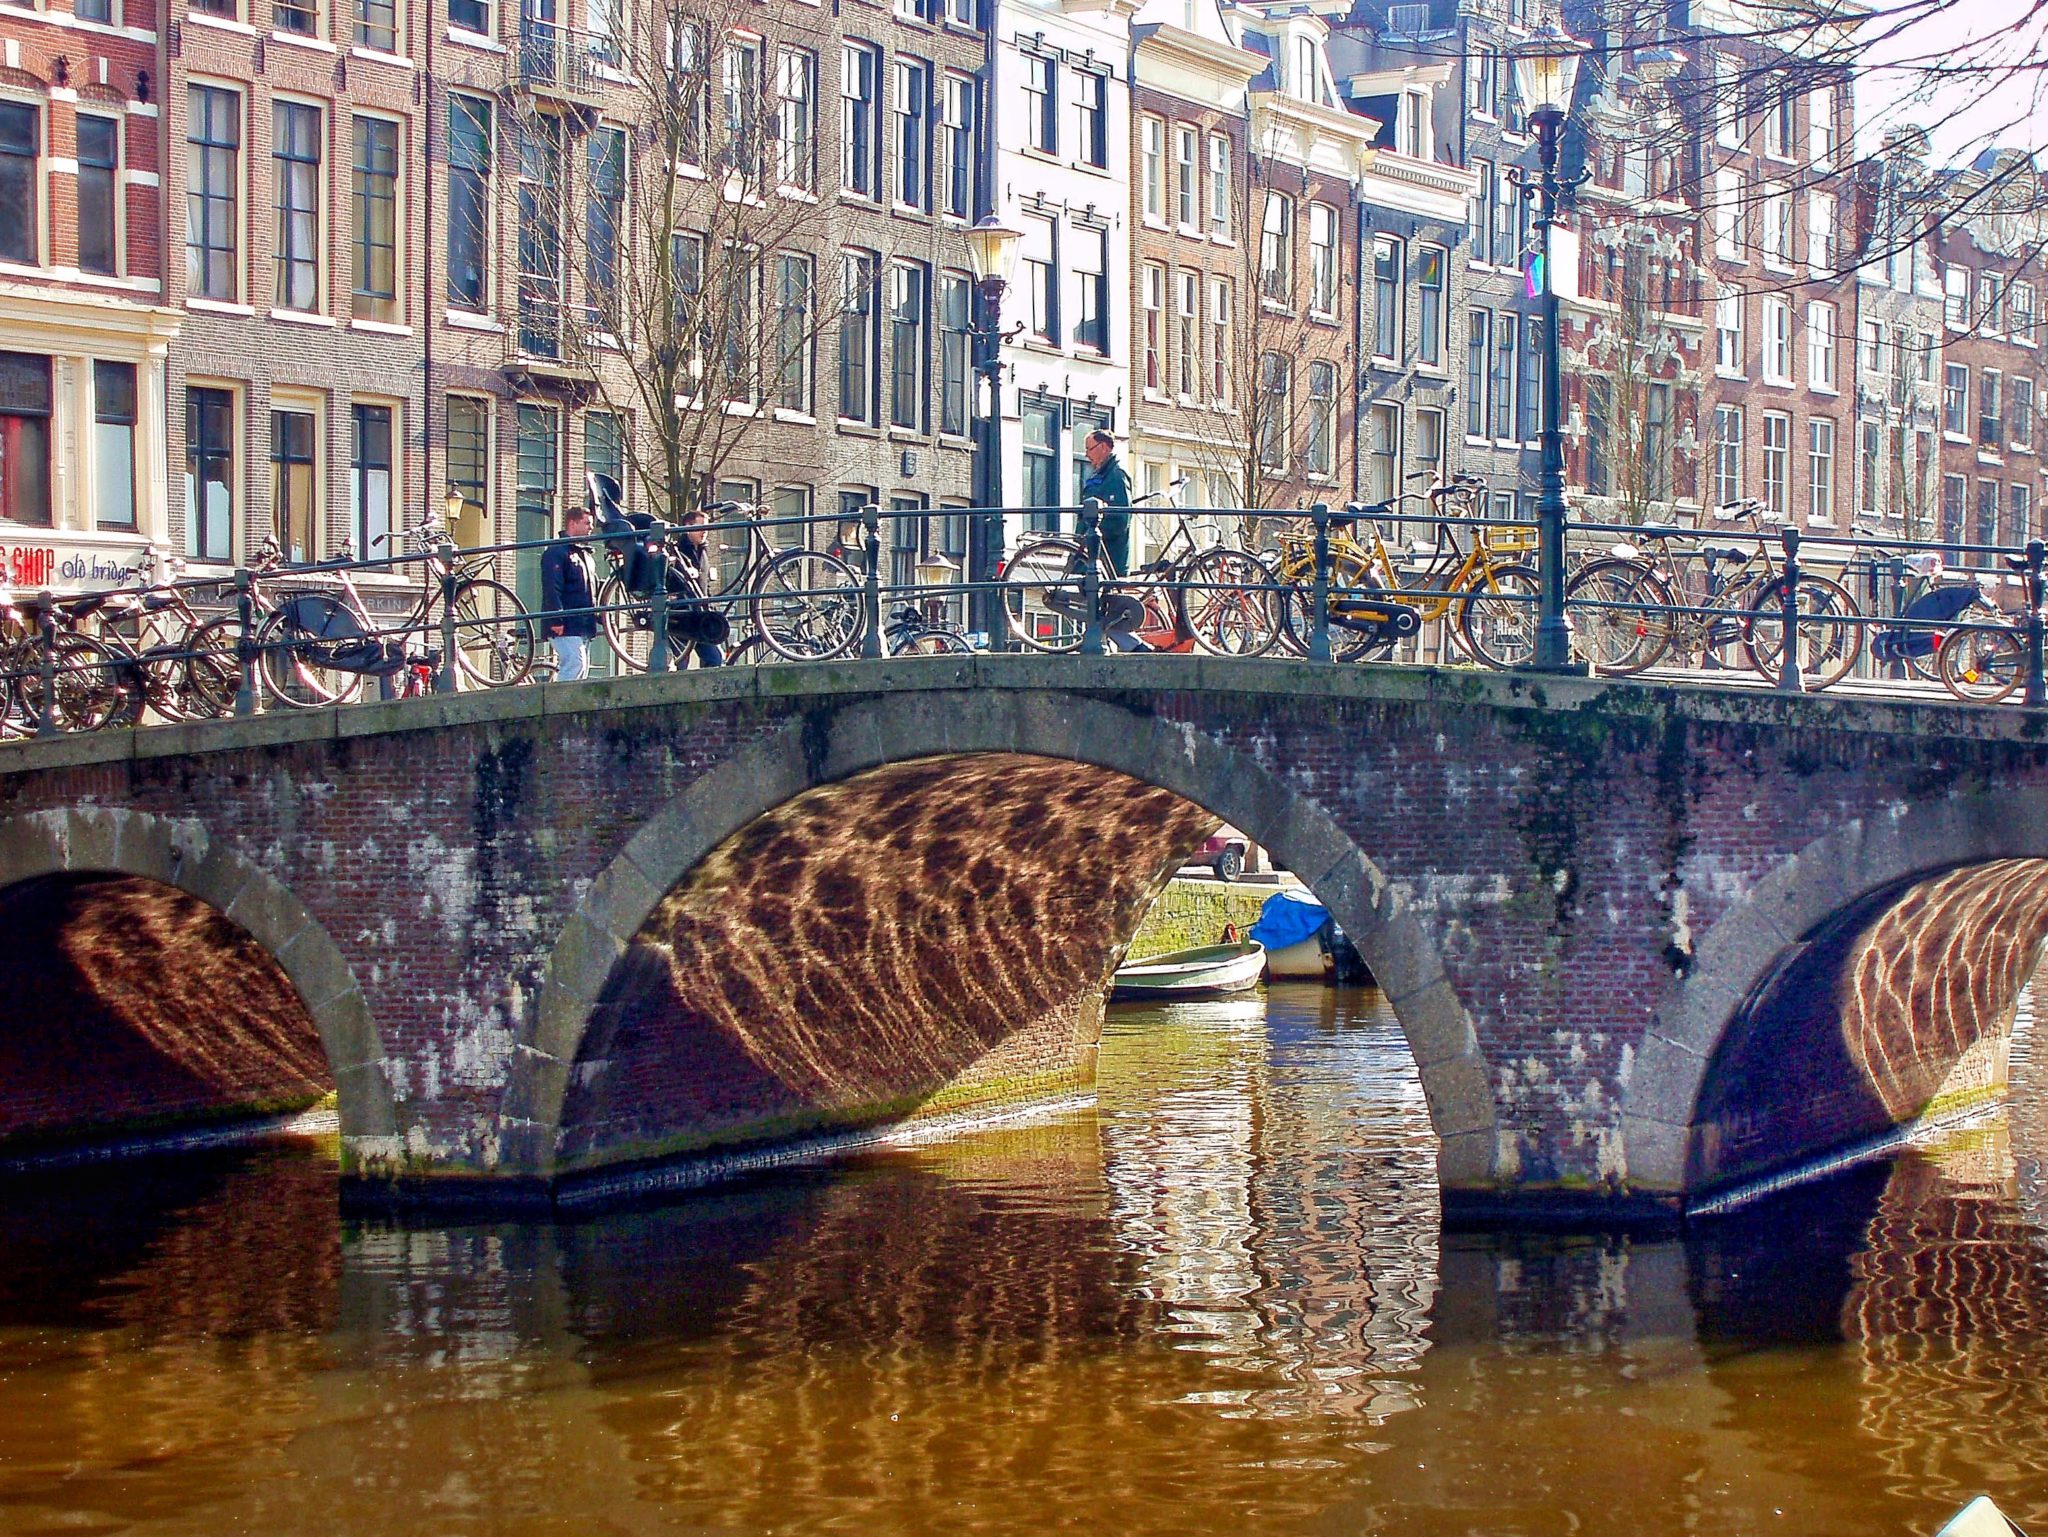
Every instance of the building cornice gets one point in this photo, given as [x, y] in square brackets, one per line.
[36, 315]
[1191, 50]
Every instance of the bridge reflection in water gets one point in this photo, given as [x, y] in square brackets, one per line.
[1221, 1301]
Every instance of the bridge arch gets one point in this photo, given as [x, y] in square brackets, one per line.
[89, 847]
[829, 746]
[1988, 852]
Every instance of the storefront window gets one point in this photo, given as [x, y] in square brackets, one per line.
[25, 439]
[113, 444]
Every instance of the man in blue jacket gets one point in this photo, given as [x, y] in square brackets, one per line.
[1107, 482]
[566, 596]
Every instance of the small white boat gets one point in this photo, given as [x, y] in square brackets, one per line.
[1205, 972]
[1979, 1518]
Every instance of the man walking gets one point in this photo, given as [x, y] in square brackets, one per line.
[566, 596]
[1109, 485]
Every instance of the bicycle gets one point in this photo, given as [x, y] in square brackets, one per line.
[315, 647]
[1984, 662]
[1193, 593]
[1645, 600]
[910, 631]
[804, 604]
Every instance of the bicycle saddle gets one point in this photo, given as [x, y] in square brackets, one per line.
[1727, 552]
[1662, 531]
[157, 602]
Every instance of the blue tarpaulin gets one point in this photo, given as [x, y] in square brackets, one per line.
[1288, 918]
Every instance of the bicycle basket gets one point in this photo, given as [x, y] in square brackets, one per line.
[328, 634]
[1508, 540]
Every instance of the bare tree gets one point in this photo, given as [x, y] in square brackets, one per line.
[669, 253]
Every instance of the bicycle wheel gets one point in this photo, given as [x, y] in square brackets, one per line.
[1630, 629]
[86, 692]
[807, 607]
[936, 640]
[212, 673]
[289, 666]
[1227, 600]
[1981, 666]
[494, 637]
[627, 624]
[1042, 595]
[1297, 611]
[1497, 622]
[1830, 640]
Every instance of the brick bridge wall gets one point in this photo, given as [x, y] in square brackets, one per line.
[1568, 888]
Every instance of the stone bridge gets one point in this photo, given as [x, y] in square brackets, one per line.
[1644, 941]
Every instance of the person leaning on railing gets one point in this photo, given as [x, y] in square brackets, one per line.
[566, 596]
[1108, 484]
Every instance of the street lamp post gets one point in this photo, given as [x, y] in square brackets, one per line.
[1546, 67]
[991, 249]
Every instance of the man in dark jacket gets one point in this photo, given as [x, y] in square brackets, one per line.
[1109, 485]
[566, 596]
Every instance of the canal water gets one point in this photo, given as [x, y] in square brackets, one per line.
[1220, 1301]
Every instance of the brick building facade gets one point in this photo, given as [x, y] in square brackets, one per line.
[84, 326]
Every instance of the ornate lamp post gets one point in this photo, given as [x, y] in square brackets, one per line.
[1546, 68]
[991, 251]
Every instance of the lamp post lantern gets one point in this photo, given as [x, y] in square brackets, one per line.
[1546, 69]
[991, 252]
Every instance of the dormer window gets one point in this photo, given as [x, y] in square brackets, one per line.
[1412, 130]
[1304, 73]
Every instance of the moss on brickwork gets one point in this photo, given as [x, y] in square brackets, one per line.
[1193, 912]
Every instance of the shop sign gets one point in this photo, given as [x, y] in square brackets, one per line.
[35, 560]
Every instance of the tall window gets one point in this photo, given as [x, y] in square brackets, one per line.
[1478, 362]
[1869, 465]
[536, 479]
[1728, 334]
[859, 335]
[1727, 215]
[374, 243]
[1091, 117]
[541, 247]
[295, 175]
[1777, 235]
[1599, 435]
[294, 484]
[908, 359]
[1954, 491]
[604, 233]
[2022, 426]
[1187, 178]
[1820, 346]
[604, 444]
[1321, 449]
[1042, 103]
[693, 109]
[1727, 455]
[209, 474]
[1429, 443]
[1042, 463]
[1275, 382]
[793, 332]
[1382, 452]
[1386, 300]
[1777, 340]
[1955, 288]
[2020, 308]
[1955, 399]
[1821, 125]
[1152, 295]
[1220, 321]
[1476, 212]
[1820, 460]
[1431, 311]
[1820, 231]
[1091, 289]
[955, 310]
[860, 140]
[113, 444]
[1152, 166]
[2019, 527]
[25, 439]
[213, 141]
[1322, 259]
[742, 108]
[1988, 496]
[99, 163]
[1531, 388]
[469, 202]
[1778, 462]
[377, 25]
[1778, 119]
[1505, 352]
[1727, 101]
[913, 133]
[1276, 250]
[370, 477]
[1990, 412]
[1187, 334]
[1990, 303]
[1219, 186]
[796, 118]
[469, 465]
[1506, 251]
[956, 194]
[20, 145]
[1037, 258]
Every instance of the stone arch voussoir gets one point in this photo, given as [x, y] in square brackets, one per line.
[180, 852]
[1904, 840]
[878, 730]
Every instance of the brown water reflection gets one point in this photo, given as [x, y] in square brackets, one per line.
[1219, 1302]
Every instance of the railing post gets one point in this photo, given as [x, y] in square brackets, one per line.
[871, 583]
[1319, 594]
[446, 682]
[657, 619]
[245, 642]
[2037, 624]
[1791, 677]
[1091, 577]
[46, 722]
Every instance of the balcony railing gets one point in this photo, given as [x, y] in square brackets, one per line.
[567, 63]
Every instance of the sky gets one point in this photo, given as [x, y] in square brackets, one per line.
[1974, 73]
